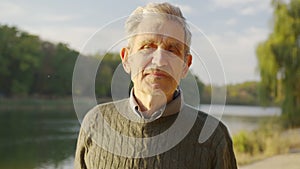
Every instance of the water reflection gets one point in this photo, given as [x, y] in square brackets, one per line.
[37, 139]
[239, 117]
[47, 139]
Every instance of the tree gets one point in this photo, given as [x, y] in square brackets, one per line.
[106, 69]
[279, 60]
[31, 66]
[19, 60]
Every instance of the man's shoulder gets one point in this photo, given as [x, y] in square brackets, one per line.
[113, 103]
[104, 108]
[209, 124]
[201, 116]
[110, 105]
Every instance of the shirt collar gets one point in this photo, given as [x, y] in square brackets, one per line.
[172, 107]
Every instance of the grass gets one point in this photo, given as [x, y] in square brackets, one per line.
[268, 140]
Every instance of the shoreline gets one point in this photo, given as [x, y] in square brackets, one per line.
[287, 161]
[280, 143]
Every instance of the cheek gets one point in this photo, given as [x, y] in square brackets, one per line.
[136, 78]
[177, 67]
[138, 63]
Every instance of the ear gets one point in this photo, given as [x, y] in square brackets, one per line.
[187, 64]
[124, 52]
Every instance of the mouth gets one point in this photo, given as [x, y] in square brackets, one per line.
[156, 73]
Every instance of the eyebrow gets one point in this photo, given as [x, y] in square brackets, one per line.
[147, 41]
[167, 41]
[175, 43]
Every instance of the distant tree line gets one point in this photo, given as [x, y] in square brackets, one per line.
[246, 93]
[30, 67]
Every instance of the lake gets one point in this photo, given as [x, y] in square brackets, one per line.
[46, 139]
[238, 118]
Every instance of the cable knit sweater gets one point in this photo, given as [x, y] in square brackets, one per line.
[215, 153]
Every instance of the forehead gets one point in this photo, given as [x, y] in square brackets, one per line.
[155, 29]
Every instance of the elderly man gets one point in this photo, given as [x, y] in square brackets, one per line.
[153, 128]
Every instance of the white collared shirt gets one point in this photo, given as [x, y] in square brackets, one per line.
[154, 116]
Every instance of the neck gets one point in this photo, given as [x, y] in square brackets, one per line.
[149, 103]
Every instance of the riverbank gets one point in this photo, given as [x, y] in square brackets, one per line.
[287, 161]
[7, 104]
[40, 103]
[266, 142]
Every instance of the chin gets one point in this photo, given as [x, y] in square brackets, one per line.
[164, 89]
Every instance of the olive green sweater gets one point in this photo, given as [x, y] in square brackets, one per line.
[214, 153]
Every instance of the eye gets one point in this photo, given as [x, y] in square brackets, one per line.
[173, 50]
[148, 46]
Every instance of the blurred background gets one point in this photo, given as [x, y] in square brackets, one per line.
[258, 44]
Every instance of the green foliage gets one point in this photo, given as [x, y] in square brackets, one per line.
[243, 94]
[55, 75]
[268, 140]
[20, 55]
[30, 66]
[279, 61]
[236, 94]
[247, 142]
[108, 65]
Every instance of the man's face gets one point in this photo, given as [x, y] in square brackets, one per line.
[155, 59]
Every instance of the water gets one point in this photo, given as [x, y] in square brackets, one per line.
[37, 139]
[47, 139]
[238, 118]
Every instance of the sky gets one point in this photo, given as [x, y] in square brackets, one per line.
[232, 28]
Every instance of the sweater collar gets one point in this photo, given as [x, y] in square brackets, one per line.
[171, 108]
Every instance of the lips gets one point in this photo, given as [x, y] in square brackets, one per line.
[156, 74]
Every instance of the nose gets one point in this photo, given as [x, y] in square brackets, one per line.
[158, 58]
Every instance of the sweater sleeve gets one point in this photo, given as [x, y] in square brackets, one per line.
[84, 140]
[81, 149]
[224, 157]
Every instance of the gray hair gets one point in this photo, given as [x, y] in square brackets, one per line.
[169, 11]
